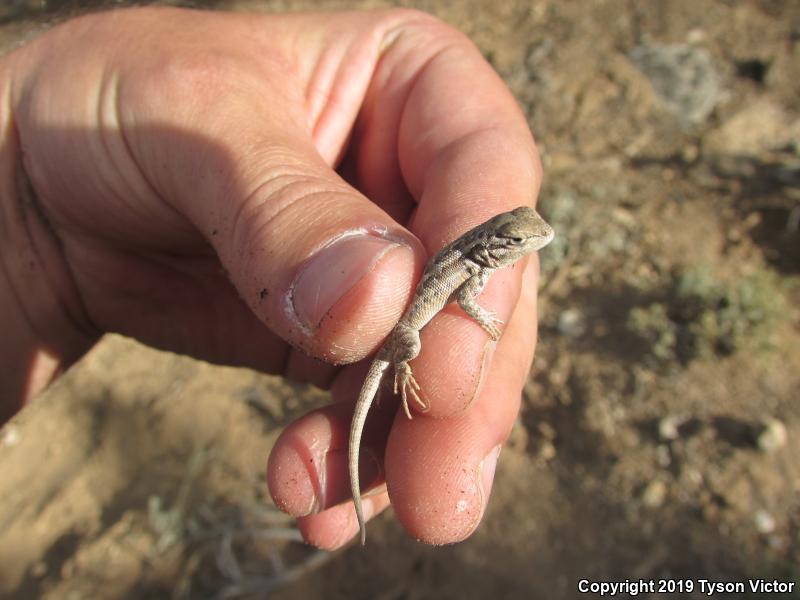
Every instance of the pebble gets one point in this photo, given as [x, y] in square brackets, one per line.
[684, 78]
[10, 437]
[773, 436]
[547, 451]
[654, 494]
[572, 323]
[668, 427]
[765, 522]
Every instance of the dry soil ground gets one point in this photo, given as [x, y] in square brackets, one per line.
[660, 431]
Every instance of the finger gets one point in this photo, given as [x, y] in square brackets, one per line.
[439, 472]
[437, 116]
[307, 468]
[333, 528]
[464, 151]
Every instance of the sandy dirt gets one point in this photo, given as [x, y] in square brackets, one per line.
[659, 436]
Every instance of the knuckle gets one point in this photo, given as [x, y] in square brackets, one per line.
[191, 75]
[422, 26]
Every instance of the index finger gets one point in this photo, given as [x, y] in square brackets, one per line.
[439, 121]
[463, 152]
[440, 124]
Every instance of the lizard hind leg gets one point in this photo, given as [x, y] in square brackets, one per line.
[405, 383]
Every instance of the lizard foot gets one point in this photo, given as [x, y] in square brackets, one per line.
[490, 326]
[404, 382]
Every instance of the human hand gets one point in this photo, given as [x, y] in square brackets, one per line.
[179, 187]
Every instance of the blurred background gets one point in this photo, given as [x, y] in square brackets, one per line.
[659, 435]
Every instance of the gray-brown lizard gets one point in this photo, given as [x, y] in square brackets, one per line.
[458, 272]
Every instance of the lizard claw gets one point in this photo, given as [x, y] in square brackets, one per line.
[490, 326]
[408, 386]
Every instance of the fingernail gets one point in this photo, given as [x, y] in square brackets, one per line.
[331, 490]
[486, 361]
[487, 468]
[332, 272]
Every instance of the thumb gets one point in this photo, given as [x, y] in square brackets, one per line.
[315, 260]
[324, 267]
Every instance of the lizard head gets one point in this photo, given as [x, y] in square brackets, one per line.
[517, 233]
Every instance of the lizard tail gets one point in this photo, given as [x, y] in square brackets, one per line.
[365, 398]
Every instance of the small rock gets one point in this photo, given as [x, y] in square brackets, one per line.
[669, 426]
[546, 430]
[683, 77]
[694, 477]
[757, 128]
[765, 522]
[696, 36]
[572, 323]
[10, 437]
[547, 451]
[773, 436]
[654, 494]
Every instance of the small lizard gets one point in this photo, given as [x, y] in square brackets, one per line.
[458, 272]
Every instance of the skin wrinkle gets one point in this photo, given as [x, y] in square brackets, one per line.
[381, 38]
[81, 322]
[349, 87]
[407, 20]
[391, 35]
[15, 293]
[254, 201]
[366, 118]
[266, 224]
[323, 92]
[277, 199]
[293, 203]
[117, 118]
[106, 151]
[411, 85]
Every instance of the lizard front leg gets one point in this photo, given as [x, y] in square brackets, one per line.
[467, 296]
[405, 348]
